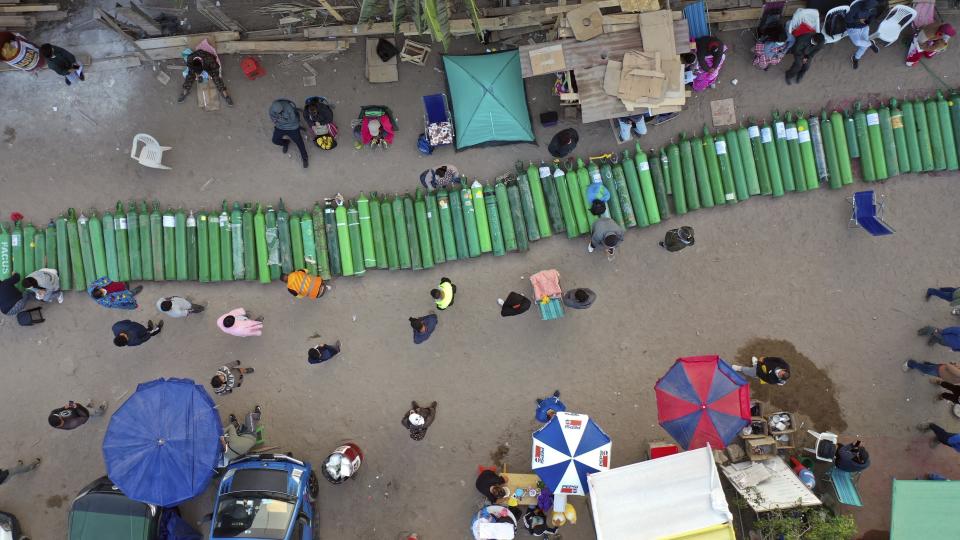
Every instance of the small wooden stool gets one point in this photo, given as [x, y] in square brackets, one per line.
[414, 52]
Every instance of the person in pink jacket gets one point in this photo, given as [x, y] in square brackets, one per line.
[236, 323]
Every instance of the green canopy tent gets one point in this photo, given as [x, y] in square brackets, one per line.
[924, 510]
[489, 100]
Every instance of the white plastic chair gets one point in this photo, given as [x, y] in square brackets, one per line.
[823, 453]
[809, 16]
[839, 11]
[898, 18]
[152, 153]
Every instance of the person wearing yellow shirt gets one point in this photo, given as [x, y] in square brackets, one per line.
[443, 294]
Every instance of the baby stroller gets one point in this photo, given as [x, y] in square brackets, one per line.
[318, 113]
[772, 42]
[374, 127]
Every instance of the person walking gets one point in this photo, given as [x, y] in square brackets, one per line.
[44, 284]
[12, 301]
[302, 284]
[952, 393]
[418, 419]
[948, 337]
[949, 371]
[423, 327]
[19, 468]
[944, 293]
[564, 142]
[322, 353]
[127, 333]
[198, 63]
[858, 28]
[177, 307]
[515, 304]
[769, 369]
[579, 298]
[228, 377]
[237, 323]
[944, 437]
[548, 407]
[443, 294]
[62, 62]
[605, 233]
[73, 415]
[286, 127]
[807, 45]
[677, 239]
[442, 177]
[114, 294]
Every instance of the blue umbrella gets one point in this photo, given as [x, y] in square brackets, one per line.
[163, 443]
[568, 448]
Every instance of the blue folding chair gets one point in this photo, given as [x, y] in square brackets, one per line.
[435, 111]
[845, 486]
[868, 213]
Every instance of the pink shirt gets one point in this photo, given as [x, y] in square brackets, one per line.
[242, 326]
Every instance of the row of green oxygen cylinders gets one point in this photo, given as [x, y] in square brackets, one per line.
[340, 237]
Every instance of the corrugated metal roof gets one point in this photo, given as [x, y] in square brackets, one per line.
[696, 16]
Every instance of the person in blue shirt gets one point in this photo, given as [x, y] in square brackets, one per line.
[852, 458]
[127, 333]
[548, 407]
[423, 327]
[943, 436]
[948, 337]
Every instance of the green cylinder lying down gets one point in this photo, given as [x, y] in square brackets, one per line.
[660, 181]
[446, 225]
[379, 240]
[850, 132]
[309, 243]
[539, 200]
[526, 203]
[29, 249]
[6, 253]
[146, 250]
[75, 259]
[613, 205]
[366, 232]
[763, 172]
[296, 242]
[505, 213]
[623, 194]
[783, 153]
[819, 152]
[236, 242]
[356, 239]
[773, 163]
[110, 246]
[203, 247]
[936, 136]
[807, 157]
[838, 124]
[946, 131]
[333, 238]
[796, 160]
[888, 143]
[249, 246]
[899, 137]
[736, 165]
[123, 246]
[459, 227]
[647, 190]
[830, 152]
[423, 229]
[954, 106]
[566, 206]
[516, 214]
[169, 245]
[576, 201]
[927, 162]
[226, 244]
[493, 217]
[260, 242]
[480, 210]
[713, 168]
[64, 267]
[400, 227]
[156, 242]
[16, 250]
[910, 136]
[749, 161]
[726, 170]
[50, 246]
[180, 244]
[85, 249]
[272, 234]
[688, 171]
[410, 219]
[470, 222]
[863, 142]
[876, 144]
[583, 179]
[672, 164]
[550, 196]
[133, 240]
[213, 245]
[436, 235]
[283, 236]
[343, 236]
[192, 255]
[389, 234]
[319, 240]
[634, 190]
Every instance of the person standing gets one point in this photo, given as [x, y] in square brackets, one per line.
[12, 301]
[858, 28]
[944, 437]
[930, 41]
[44, 284]
[548, 407]
[286, 127]
[949, 372]
[127, 333]
[236, 323]
[114, 294]
[19, 468]
[677, 239]
[769, 369]
[803, 50]
[62, 62]
[73, 415]
[563, 143]
[515, 304]
[443, 294]
[303, 285]
[948, 337]
[423, 327]
[418, 419]
[198, 62]
[228, 377]
[579, 298]
[177, 307]
[606, 233]
[322, 353]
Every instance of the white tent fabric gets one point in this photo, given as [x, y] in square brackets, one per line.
[657, 498]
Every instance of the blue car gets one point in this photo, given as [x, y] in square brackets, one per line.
[266, 497]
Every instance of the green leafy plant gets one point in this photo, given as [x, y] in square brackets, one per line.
[437, 15]
[475, 18]
[398, 12]
[371, 9]
[806, 524]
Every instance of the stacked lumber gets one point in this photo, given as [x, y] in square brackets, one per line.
[26, 16]
[229, 42]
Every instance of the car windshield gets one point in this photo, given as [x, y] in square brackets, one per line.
[253, 515]
[110, 515]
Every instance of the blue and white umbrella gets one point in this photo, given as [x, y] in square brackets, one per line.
[568, 448]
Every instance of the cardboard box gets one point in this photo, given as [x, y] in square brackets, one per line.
[379, 71]
[586, 21]
[784, 444]
[761, 448]
[641, 77]
[547, 60]
[793, 423]
[656, 31]
[761, 422]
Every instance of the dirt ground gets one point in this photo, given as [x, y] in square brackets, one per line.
[786, 269]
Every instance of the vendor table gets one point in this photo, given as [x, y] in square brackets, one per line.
[523, 481]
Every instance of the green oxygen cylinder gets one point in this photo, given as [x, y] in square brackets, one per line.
[647, 187]
[506, 216]
[436, 234]
[76, 261]
[400, 228]
[272, 236]
[688, 171]
[839, 126]
[633, 189]
[410, 219]
[85, 239]
[459, 226]
[539, 200]
[39, 246]
[516, 214]
[213, 243]
[470, 221]
[566, 206]
[133, 241]
[480, 209]
[529, 214]
[899, 137]
[203, 247]
[807, 157]
[596, 176]
[249, 246]
[550, 194]
[863, 142]
[236, 241]
[343, 237]
[63, 252]
[193, 270]
[850, 132]
[773, 163]
[356, 239]
[51, 251]
[936, 136]
[423, 229]
[623, 194]
[923, 136]
[830, 152]
[583, 182]
[946, 131]
[226, 244]
[6, 254]
[333, 239]
[796, 160]
[309, 243]
[110, 246]
[702, 173]
[446, 225]
[660, 183]
[180, 244]
[876, 143]
[713, 167]
[29, 250]
[123, 246]
[954, 105]
[389, 234]
[760, 161]
[156, 242]
[726, 170]
[260, 241]
[888, 143]
[169, 245]
[819, 152]
[319, 238]
[737, 165]
[576, 200]
[493, 217]
[366, 232]
[910, 131]
[146, 248]
[16, 250]
[783, 153]
[379, 243]
[749, 161]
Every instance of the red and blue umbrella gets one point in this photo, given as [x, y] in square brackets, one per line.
[568, 448]
[703, 400]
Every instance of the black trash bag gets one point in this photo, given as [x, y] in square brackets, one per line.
[386, 50]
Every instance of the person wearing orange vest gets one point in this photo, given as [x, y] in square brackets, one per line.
[303, 285]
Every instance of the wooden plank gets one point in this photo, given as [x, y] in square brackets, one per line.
[111, 23]
[185, 40]
[560, 10]
[47, 16]
[29, 8]
[583, 54]
[281, 47]
[217, 16]
[458, 27]
[135, 18]
[17, 21]
[113, 63]
[331, 10]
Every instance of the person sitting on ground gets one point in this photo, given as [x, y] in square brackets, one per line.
[302, 284]
[237, 439]
[114, 294]
[772, 47]
[418, 419]
[579, 298]
[548, 407]
[322, 353]
[12, 301]
[198, 63]
[442, 177]
[177, 307]
[805, 47]
[44, 284]
[444, 293]
[73, 415]
[930, 41]
[423, 327]
[127, 333]
[236, 323]
[677, 239]
[563, 143]
[769, 369]
[491, 485]
[852, 457]
[629, 125]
